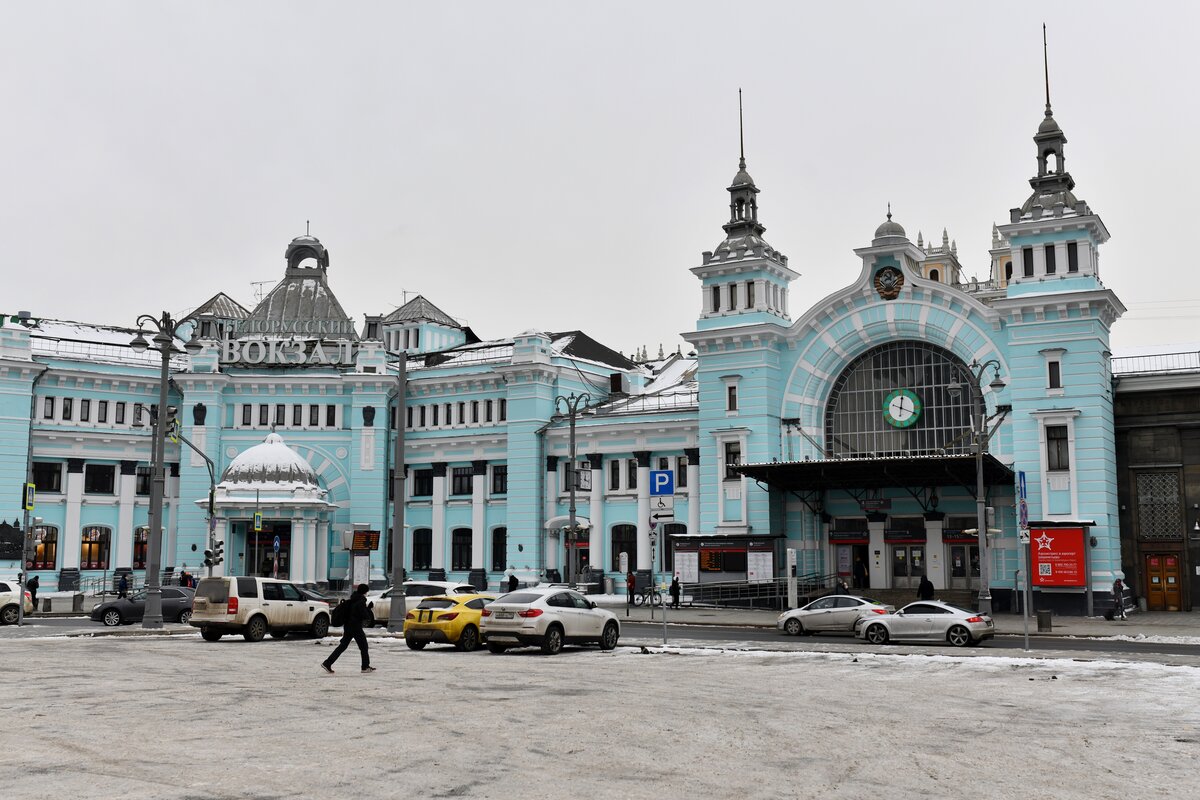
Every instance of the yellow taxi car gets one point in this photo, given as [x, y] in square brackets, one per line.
[446, 619]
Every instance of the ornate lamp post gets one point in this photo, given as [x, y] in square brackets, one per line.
[164, 343]
[572, 406]
[980, 436]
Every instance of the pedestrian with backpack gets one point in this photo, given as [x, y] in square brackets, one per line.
[1118, 593]
[353, 614]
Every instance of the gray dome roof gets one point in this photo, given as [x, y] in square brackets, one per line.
[1049, 125]
[890, 228]
[742, 178]
[270, 462]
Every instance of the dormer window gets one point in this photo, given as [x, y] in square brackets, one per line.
[1072, 257]
[716, 298]
[1051, 265]
[1027, 261]
[934, 275]
[732, 296]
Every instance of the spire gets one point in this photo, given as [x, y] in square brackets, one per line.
[1046, 68]
[995, 235]
[945, 240]
[1053, 183]
[920, 240]
[743, 202]
[742, 128]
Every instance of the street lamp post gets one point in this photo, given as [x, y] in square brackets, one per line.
[397, 609]
[573, 404]
[979, 443]
[164, 343]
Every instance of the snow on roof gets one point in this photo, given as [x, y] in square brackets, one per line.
[81, 341]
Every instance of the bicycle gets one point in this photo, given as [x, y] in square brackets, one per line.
[648, 596]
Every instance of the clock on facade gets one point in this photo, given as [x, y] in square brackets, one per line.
[901, 408]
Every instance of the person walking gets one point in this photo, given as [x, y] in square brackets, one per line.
[860, 574]
[123, 586]
[675, 591]
[352, 630]
[630, 587]
[925, 588]
[32, 587]
[1118, 595]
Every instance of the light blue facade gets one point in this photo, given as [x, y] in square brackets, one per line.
[487, 453]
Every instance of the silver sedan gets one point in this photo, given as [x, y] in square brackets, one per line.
[835, 612]
[928, 621]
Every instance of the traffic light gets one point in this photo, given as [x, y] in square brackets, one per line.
[214, 555]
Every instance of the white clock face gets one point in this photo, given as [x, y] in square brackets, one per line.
[902, 408]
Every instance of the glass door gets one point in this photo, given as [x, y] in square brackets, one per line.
[908, 565]
[964, 566]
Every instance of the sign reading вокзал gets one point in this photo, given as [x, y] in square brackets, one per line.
[286, 352]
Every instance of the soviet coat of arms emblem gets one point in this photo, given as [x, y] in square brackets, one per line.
[888, 282]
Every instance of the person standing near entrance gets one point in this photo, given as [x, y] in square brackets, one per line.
[860, 574]
[32, 587]
[1118, 593]
[925, 588]
[630, 587]
[356, 614]
[123, 586]
[512, 581]
[675, 591]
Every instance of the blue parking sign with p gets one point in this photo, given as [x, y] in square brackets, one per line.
[662, 481]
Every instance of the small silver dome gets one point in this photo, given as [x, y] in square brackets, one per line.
[1049, 125]
[270, 462]
[889, 228]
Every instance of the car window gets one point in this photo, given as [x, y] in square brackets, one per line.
[464, 590]
[419, 590]
[848, 602]
[247, 587]
[215, 590]
[478, 603]
[520, 598]
[138, 596]
[818, 605]
[922, 608]
[173, 594]
[290, 592]
[437, 602]
[5, 588]
[560, 600]
[580, 601]
[272, 591]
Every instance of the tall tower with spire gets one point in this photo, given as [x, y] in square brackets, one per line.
[1058, 317]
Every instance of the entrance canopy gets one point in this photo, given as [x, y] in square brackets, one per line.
[877, 473]
[556, 523]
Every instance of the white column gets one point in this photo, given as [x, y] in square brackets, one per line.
[693, 492]
[552, 544]
[478, 520]
[1039, 260]
[71, 530]
[1060, 258]
[322, 534]
[171, 534]
[877, 556]
[596, 552]
[296, 551]
[935, 553]
[126, 486]
[437, 558]
[643, 512]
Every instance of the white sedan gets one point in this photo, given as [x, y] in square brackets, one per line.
[547, 617]
[379, 603]
[834, 612]
[928, 621]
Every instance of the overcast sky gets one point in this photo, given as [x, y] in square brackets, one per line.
[563, 165]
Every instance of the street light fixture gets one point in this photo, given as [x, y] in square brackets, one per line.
[573, 405]
[980, 436]
[397, 610]
[164, 339]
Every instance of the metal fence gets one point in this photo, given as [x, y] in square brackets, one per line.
[1160, 363]
[760, 594]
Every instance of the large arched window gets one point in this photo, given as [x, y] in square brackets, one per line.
[624, 539]
[141, 544]
[910, 379]
[499, 549]
[45, 547]
[95, 542]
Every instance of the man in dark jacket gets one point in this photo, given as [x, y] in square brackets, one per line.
[32, 587]
[356, 614]
[925, 588]
[512, 582]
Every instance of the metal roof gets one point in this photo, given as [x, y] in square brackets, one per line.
[421, 310]
[878, 473]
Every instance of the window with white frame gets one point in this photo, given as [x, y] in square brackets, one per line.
[733, 457]
[731, 393]
[1058, 452]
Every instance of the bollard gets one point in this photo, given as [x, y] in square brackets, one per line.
[1043, 620]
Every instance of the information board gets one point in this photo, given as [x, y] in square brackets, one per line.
[1058, 556]
[365, 540]
[759, 566]
[687, 564]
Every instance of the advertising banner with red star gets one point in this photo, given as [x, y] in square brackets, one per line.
[1058, 556]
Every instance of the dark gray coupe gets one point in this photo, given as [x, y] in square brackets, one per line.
[176, 607]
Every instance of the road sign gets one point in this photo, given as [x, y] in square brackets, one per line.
[662, 516]
[1023, 514]
[662, 482]
[1021, 485]
[1023, 535]
[30, 493]
[275, 544]
[257, 521]
[662, 504]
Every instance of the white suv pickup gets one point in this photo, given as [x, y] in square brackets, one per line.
[255, 607]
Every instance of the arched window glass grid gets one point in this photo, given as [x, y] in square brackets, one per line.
[855, 424]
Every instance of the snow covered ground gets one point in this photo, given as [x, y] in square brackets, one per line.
[158, 717]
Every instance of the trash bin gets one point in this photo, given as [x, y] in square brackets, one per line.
[1043, 620]
[77, 602]
[610, 586]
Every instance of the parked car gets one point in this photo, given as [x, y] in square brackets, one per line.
[255, 607]
[8, 602]
[309, 593]
[834, 612]
[548, 617]
[176, 607]
[380, 602]
[449, 619]
[927, 621]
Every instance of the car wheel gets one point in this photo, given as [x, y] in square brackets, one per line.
[793, 627]
[958, 636]
[552, 642]
[496, 648]
[877, 634]
[9, 615]
[185, 616]
[111, 618]
[320, 626]
[414, 644]
[608, 639]
[468, 640]
[256, 629]
[210, 636]
[278, 634]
